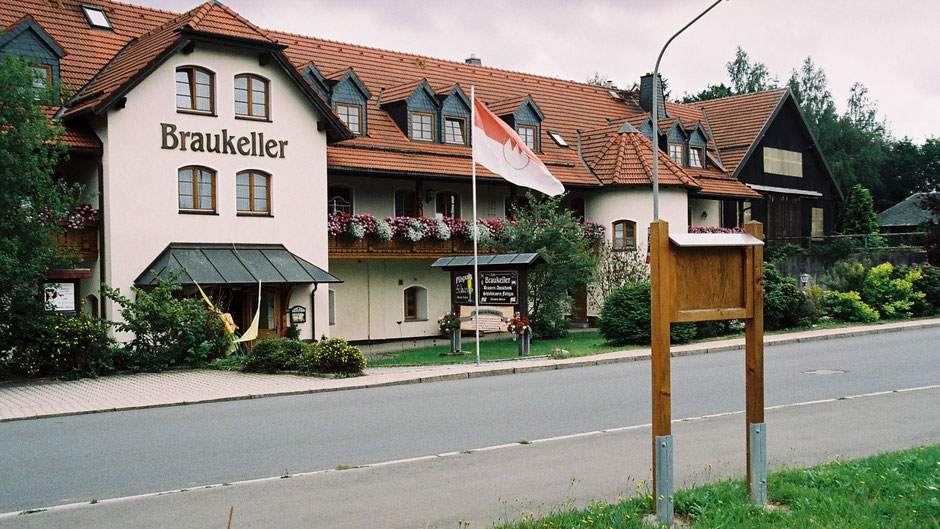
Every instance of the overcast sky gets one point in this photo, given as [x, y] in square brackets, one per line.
[889, 46]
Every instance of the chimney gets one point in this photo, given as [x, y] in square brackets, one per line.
[473, 59]
[646, 95]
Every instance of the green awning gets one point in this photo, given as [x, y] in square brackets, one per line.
[233, 264]
[498, 259]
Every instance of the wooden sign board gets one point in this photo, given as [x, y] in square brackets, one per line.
[700, 277]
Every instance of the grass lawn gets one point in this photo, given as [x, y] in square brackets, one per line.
[577, 344]
[895, 490]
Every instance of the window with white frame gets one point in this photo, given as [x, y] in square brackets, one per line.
[675, 152]
[696, 158]
[416, 303]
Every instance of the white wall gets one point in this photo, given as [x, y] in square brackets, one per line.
[636, 204]
[711, 209]
[370, 302]
[140, 179]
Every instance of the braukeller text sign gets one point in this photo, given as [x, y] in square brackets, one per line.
[497, 287]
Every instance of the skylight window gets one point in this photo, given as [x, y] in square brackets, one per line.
[96, 17]
[558, 139]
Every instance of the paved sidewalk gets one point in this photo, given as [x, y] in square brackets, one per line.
[30, 400]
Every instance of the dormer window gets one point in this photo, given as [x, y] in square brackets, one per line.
[696, 158]
[251, 96]
[529, 136]
[42, 79]
[195, 90]
[675, 152]
[96, 17]
[455, 130]
[422, 126]
[351, 115]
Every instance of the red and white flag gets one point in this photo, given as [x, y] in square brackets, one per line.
[498, 148]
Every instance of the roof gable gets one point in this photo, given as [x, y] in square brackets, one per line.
[349, 76]
[29, 26]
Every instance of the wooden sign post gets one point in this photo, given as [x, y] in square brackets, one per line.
[700, 277]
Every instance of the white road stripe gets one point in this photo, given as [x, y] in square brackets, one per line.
[452, 454]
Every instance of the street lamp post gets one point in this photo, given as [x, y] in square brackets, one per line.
[656, 86]
[663, 486]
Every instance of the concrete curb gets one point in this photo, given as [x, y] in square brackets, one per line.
[498, 368]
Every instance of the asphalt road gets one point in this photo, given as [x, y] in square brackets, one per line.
[74, 459]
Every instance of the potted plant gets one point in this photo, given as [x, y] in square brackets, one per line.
[521, 330]
[450, 325]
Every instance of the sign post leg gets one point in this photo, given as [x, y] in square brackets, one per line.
[754, 375]
[661, 293]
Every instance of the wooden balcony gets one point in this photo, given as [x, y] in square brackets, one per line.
[83, 242]
[370, 248]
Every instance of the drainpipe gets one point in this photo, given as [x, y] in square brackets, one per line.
[313, 312]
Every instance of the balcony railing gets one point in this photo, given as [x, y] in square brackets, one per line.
[83, 241]
[365, 236]
[369, 247]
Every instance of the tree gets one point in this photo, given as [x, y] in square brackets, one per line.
[747, 77]
[811, 88]
[712, 91]
[859, 217]
[29, 152]
[931, 203]
[551, 231]
[599, 80]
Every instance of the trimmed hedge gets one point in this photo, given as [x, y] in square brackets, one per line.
[625, 318]
[271, 355]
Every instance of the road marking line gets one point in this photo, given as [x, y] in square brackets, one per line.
[194, 489]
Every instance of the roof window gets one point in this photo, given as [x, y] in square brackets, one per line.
[558, 139]
[96, 17]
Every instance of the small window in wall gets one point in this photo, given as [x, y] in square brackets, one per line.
[196, 189]
[779, 161]
[43, 78]
[529, 134]
[416, 303]
[675, 152]
[624, 235]
[455, 130]
[253, 192]
[96, 17]
[744, 211]
[251, 96]
[405, 203]
[819, 227]
[696, 158]
[340, 200]
[422, 126]
[331, 310]
[351, 115]
[195, 90]
[448, 204]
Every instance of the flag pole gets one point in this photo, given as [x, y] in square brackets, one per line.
[476, 228]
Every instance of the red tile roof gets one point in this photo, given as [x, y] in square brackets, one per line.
[95, 62]
[627, 158]
[736, 122]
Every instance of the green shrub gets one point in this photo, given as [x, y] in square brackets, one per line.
[334, 355]
[927, 282]
[625, 318]
[846, 276]
[712, 329]
[63, 344]
[785, 305]
[893, 298]
[836, 250]
[270, 355]
[848, 306]
[779, 252]
[168, 331]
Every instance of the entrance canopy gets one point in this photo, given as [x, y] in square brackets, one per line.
[233, 264]
[489, 260]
